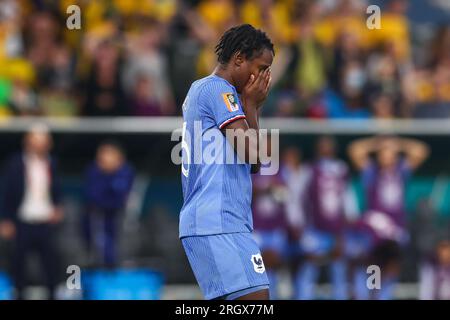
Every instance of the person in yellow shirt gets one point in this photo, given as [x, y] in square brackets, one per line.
[311, 65]
[274, 16]
[213, 17]
[217, 13]
[345, 18]
[394, 29]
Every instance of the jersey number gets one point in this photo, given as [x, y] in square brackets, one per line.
[185, 152]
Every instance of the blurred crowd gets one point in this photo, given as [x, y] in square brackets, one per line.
[307, 219]
[140, 57]
[32, 208]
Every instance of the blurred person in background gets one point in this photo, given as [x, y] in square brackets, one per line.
[347, 78]
[11, 42]
[382, 106]
[395, 31]
[53, 62]
[296, 175]
[342, 17]
[208, 9]
[143, 100]
[384, 179]
[429, 86]
[434, 274]
[189, 34]
[20, 96]
[145, 70]
[309, 64]
[32, 208]
[286, 105]
[275, 17]
[169, 42]
[346, 51]
[108, 182]
[46, 50]
[325, 222]
[270, 222]
[271, 15]
[384, 77]
[103, 88]
[212, 25]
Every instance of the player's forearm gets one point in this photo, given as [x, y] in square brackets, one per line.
[416, 151]
[251, 114]
[411, 145]
[360, 149]
[365, 145]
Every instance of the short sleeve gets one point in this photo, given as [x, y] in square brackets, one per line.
[221, 102]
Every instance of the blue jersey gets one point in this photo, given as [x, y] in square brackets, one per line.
[217, 194]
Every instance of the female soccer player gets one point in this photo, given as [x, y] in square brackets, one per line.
[216, 218]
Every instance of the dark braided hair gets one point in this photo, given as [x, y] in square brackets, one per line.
[244, 39]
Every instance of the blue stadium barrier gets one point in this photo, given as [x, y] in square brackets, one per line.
[122, 284]
[6, 288]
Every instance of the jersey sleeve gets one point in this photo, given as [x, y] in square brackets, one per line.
[221, 102]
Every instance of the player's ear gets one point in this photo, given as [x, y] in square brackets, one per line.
[238, 59]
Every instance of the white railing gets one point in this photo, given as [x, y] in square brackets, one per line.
[286, 126]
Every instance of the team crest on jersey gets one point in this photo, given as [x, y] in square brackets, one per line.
[230, 101]
[258, 264]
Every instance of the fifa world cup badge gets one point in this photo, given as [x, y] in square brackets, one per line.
[230, 102]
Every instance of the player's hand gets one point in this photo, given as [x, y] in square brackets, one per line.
[57, 216]
[257, 88]
[7, 230]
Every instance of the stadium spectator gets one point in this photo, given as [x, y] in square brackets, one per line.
[382, 106]
[325, 53]
[310, 71]
[395, 32]
[32, 208]
[145, 72]
[270, 224]
[107, 184]
[429, 86]
[103, 88]
[143, 100]
[20, 97]
[326, 219]
[53, 65]
[270, 15]
[189, 33]
[45, 50]
[296, 175]
[384, 179]
[384, 78]
[435, 274]
[11, 42]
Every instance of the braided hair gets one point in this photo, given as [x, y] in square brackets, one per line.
[244, 39]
